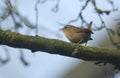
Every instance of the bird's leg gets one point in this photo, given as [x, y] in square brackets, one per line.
[79, 42]
[86, 43]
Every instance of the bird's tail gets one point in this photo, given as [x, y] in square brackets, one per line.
[89, 26]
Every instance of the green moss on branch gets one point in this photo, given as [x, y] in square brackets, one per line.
[55, 46]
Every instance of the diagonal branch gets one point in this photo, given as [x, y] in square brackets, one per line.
[55, 46]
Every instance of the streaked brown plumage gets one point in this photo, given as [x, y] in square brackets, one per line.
[77, 34]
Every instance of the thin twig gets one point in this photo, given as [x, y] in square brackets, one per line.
[22, 58]
[37, 17]
[80, 15]
[107, 29]
[56, 8]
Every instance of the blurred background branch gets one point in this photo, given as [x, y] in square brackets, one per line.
[9, 10]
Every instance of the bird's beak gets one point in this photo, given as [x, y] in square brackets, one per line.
[60, 29]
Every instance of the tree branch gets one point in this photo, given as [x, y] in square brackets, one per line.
[55, 46]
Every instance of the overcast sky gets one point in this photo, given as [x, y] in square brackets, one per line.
[44, 65]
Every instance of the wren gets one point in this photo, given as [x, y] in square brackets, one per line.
[78, 34]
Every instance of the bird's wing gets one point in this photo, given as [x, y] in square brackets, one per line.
[83, 30]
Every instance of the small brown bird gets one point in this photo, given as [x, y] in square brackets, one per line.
[77, 34]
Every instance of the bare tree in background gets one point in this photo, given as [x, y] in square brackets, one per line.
[9, 10]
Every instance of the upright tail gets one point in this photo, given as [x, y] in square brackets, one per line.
[89, 26]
